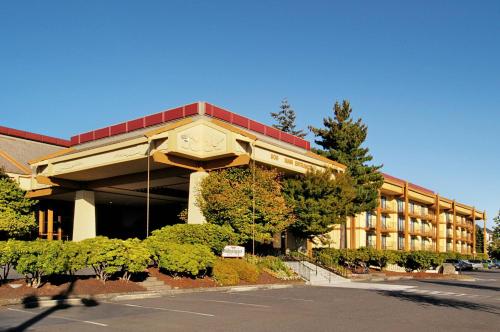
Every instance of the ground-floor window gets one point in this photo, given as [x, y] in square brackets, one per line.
[370, 240]
[384, 242]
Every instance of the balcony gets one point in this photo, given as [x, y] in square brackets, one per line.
[387, 229]
[387, 209]
[427, 233]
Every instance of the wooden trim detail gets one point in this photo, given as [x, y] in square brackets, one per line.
[163, 158]
[52, 155]
[233, 129]
[240, 160]
[19, 165]
[39, 193]
[474, 231]
[50, 224]
[168, 127]
[41, 223]
[437, 213]
[378, 225]
[454, 234]
[326, 160]
[407, 220]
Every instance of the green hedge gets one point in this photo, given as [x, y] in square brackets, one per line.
[214, 236]
[230, 271]
[410, 261]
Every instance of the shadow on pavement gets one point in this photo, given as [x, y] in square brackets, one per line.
[427, 300]
[32, 301]
[458, 284]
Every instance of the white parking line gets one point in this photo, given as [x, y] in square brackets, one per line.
[60, 317]
[272, 297]
[238, 303]
[162, 309]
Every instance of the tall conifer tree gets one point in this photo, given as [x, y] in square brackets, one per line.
[342, 140]
[285, 119]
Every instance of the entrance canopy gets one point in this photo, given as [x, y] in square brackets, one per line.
[161, 159]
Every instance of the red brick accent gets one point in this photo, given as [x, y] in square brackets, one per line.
[118, 129]
[191, 109]
[135, 124]
[101, 133]
[170, 115]
[154, 119]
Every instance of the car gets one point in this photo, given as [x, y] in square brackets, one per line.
[460, 265]
[464, 265]
[476, 264]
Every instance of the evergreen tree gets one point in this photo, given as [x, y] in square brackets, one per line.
[286, 120]
[16, 211]
[342, 139]
[479, 239]
[496, 228]
[319, 200]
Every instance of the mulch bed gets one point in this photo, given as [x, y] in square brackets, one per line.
[79, 286]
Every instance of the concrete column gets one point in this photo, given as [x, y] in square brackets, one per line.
[195, 216]
[84, 221]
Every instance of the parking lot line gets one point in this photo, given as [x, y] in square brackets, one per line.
[238, 303]
[60, 317]
[163, 309]
[272, 297]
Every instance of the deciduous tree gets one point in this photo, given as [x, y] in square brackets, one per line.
[16, 211]
[227, 199]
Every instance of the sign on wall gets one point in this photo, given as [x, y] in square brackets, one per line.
[233, 252]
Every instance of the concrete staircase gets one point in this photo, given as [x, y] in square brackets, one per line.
[315, 275]
[152, 284]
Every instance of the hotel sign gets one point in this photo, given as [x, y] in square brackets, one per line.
[233, 252]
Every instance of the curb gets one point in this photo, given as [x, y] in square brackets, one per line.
[93, 300]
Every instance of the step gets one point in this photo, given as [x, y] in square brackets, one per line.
[159, 288]
[151, 283]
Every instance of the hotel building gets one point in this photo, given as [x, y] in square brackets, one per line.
[130, 178]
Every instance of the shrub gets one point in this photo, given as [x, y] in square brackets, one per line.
[245, 270]
[135, 257]
[191, 259]
[276, 266]
[104, 255]
[9, 254]
[214, 236]
[75, 257]
[39, 258]
[224, 273]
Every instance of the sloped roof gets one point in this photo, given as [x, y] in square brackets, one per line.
[15, 153]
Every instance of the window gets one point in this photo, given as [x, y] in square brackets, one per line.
[413, 224]
[383, 202]
[401, 242]
[384, 242]
[370, 240]
[413, 241]
[384, 221]
[401, 224]
[400, 206]
[412, 207]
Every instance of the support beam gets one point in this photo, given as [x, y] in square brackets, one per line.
[454, 237]
[50, 224]
[195, 216]
[41, 223]
[485, 237]
[407, 221]
[353, 232]
[473, 231]
[59, 228]
[378, 226]
[437, 212]
[84, 222]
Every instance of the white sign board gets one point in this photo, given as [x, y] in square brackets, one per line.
[233, 252]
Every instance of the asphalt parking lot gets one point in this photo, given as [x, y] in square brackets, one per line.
[427, 305]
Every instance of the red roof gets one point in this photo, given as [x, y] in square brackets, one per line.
[34, 137]
[184, 112]
[410, 185]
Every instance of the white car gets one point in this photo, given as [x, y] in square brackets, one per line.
[476, 264]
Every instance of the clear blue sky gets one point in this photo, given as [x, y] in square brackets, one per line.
[425, 77]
